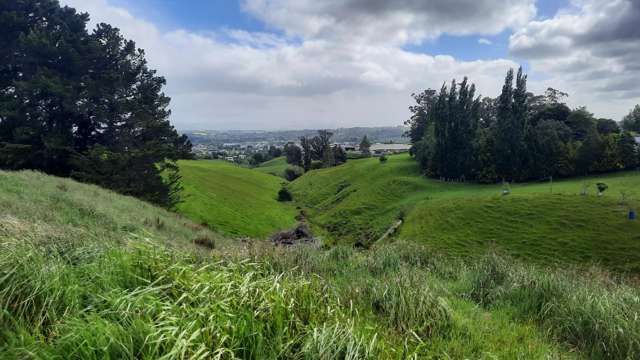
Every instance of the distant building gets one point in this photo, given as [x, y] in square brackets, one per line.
[637, 139]
[389, 148]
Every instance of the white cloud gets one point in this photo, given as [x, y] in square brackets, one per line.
[590, 50]
[342, 63]
[390, 22]
[260, 80]
[484, 41]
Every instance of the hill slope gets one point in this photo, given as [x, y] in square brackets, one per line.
[275, 166]
[46, 209]
[84, 275]
[233, 200]
[89, 274]
[358, 201]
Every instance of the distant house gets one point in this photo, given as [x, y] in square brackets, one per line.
[637, 139]
[389, 148]
[230, 158]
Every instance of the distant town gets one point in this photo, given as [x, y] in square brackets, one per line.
[241, 146]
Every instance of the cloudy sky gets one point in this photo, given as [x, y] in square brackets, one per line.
[282, 64]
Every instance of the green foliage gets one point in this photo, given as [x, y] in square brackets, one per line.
[631, 121]
[365, 146]
[515, 137]
[293, 172]
[95, 112]
[421, 298]
[284, 195]
[602, 187]
[383, 159]
[553, 224]
[82, 278]
[276, 167]
[594, 315]
[233, 200]
[293, 154]
[318, 149]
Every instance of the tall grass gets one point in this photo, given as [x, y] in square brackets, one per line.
[142, 301]
[592, 311]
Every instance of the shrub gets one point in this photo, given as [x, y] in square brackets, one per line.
[383, 159]
[284, 195]
[293, 172]
[317, 164]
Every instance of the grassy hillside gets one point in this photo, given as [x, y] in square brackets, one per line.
[273, 167]
[233, 200]
[358, 201]
[51, 211]
[89, 274]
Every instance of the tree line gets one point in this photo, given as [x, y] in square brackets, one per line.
[83, 104]
[518, 136]
[315, 152]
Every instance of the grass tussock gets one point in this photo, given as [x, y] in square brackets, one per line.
[147, 302]
[592, 311]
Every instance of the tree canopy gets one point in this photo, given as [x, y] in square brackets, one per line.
[517, 136]
[83, 104]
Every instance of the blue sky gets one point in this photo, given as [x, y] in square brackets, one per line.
[280, 64]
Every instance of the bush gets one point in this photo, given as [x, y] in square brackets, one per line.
[316, 164]
[293, 172]
[284, 195]
[383, 159]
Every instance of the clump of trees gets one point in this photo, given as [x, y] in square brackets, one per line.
[631, 122]
[316, 152]
[264, 156]
[83, 104]
[518, 136]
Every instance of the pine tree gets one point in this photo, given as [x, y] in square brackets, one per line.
[365, 146]
[81, 104]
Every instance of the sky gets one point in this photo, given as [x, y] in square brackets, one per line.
[293, 64]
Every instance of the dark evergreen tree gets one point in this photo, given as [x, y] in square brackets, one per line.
[589, 152]
[505, 133]
[339, 155]
[454, 119]
[631, 122]
[607, 126]
[628, 151]
[293, 153]
[418, 122]
[581, 123]
[365, 146]
[81, 104]
[307, 153]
